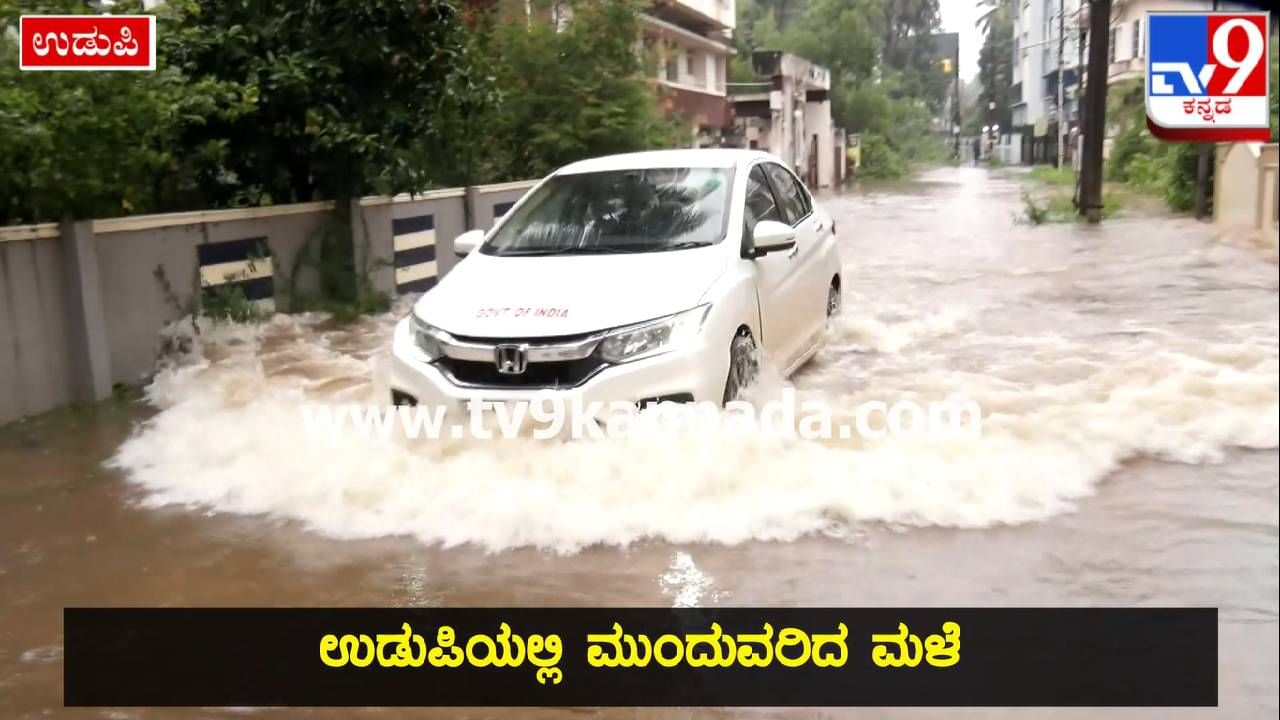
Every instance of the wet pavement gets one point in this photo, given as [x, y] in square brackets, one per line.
[1128, 377]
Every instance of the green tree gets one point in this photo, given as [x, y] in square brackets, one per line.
[995, 63]
[346, 92]
[343, 87]
[883, 82]
[571, 92]
[100, 144]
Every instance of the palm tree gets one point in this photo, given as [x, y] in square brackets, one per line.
[989, 10]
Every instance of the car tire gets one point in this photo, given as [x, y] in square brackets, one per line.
[743, 366]
[833, 300]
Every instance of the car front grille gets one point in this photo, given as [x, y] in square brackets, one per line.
[556, 374]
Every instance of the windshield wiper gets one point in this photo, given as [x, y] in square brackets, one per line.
[685, 245]
[584, 250]
[602, 249]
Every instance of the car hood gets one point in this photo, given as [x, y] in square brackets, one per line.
[491, 296]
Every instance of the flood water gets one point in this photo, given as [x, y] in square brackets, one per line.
[1128, 377]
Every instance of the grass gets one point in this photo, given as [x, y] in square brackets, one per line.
[1050, 199]
[1057, 207]
[227, 303]
[1053, 176]
[369, 302]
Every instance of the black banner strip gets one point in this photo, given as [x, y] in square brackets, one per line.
[696, 657]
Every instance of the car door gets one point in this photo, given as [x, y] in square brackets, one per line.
[778, 284]
[807, 256]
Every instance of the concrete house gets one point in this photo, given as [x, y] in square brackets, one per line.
[788, 113]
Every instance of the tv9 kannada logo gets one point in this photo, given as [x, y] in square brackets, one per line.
[1207, 76]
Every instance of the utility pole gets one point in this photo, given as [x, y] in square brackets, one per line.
[955, 114]
[1096, 109]
[1062, 115]
[1202, 171]
[1082, 33]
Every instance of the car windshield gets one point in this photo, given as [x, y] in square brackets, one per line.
[622, 211]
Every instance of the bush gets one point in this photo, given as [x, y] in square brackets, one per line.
[1033, 210]
[879, 160]
[1165, 170]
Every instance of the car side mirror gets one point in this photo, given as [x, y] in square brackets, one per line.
[771, 236]
[467, 242]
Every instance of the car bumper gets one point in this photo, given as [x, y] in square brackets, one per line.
[695, 372]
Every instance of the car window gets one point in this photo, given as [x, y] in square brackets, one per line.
[805, 198]
[618, 211]
[760, 204]
[795, 203]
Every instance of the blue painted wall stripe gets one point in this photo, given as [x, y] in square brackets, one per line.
[232, 250]
[413, 256]
[417, 223]
[420, 285]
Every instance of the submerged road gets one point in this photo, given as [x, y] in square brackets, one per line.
[1128, 377]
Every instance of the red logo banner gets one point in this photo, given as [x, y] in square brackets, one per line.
[87, 42]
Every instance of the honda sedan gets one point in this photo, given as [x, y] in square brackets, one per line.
[655, 276]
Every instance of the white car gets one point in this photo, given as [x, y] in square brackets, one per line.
[643, 277]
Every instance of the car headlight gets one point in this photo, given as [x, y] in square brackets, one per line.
[426, 338]
[653, 337]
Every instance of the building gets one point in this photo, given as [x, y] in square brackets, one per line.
[1042, 30]
[692, 42]
[1127, 49]
[788, 113]
[1127, 42]
[687, 43]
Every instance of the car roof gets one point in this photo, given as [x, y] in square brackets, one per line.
[689, 158]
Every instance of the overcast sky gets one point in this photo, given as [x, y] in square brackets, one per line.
[959, 16]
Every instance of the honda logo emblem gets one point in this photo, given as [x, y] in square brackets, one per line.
[511, 359]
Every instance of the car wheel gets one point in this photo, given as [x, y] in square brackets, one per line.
[743, 366]
[833, 301]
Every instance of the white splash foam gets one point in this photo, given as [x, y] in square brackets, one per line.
[867, 332]
[683, 582]
[229, 437]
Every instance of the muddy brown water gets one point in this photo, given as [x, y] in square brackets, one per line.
[1128, 377]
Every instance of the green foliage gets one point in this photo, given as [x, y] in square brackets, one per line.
[342, 89]
[366, 302]
[1052, 175]
[1161, 169]
[570, 93]
[100, 144]
[995, 65]
[1052, 203]
[882, 83]
[879, 160]
[1033, 210]
[1275, 85]
[228, 303]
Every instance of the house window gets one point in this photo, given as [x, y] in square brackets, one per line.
[673, 65]
[1111, 46]
[690, 62]
[1135, 45]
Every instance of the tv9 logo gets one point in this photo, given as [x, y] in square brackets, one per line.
[1207, 76]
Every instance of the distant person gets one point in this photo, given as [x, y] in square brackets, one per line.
[977, 150]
